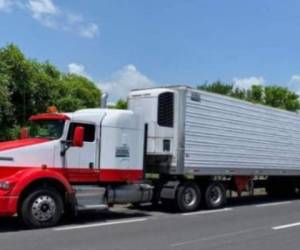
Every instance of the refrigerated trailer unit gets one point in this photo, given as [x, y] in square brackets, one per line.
[202, 144]
[200, 133]
[175, 145]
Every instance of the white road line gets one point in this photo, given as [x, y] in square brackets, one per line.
[220, 236]
[98, 224]
[274, 204]
[208, 212]
[297, 224]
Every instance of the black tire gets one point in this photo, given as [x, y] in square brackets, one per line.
[215, 195]
[188, 197]
[42, 208]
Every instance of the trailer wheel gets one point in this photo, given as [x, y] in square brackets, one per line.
[188, 197]
[215, 195]
[42, 208]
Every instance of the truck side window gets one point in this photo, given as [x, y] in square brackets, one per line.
[89, 131]
[165, 114]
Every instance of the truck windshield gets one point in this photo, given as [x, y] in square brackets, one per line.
[49, 129]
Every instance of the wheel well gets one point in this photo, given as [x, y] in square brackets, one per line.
[45, 182]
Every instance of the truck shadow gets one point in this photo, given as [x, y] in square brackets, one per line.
[130, 212]
[14, 224]
[231, 202]
[256, 200]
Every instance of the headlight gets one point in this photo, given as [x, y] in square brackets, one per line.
[4, 185]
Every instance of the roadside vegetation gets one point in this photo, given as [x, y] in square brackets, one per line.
[274, 96]
[28, 87]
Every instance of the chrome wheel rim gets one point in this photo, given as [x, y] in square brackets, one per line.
[43, 208]
[189, 197]
[215, 195]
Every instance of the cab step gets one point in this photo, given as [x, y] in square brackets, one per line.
[91, 207]
[90, 197]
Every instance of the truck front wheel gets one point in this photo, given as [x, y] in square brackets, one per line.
[188, 197]
[42, 208]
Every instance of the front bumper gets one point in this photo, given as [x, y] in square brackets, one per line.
[8, 205]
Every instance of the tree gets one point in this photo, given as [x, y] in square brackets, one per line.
[16, 70]
[76, 92]
[275, 96]
[217, 87]
[256, 94]
[238, 93]
[28, 87]
[6, 109]
[281, 97]
[121, 104]
[43, 79]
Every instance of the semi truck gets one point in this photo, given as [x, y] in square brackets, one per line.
[176, 145]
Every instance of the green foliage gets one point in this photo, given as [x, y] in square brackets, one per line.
[120, 104]
[6, 109]
[78, 92]
[274, 96]
[28, 87]
[256, 94]
[218, 87]
[281, 97]
[238, 93]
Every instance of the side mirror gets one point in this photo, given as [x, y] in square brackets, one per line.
[78, 137]
[24, 133]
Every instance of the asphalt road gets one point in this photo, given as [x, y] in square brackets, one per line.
[245, 224]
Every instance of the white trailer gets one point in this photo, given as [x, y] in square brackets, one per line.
[207, 136]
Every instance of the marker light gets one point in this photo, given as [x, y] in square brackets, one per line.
[52, 109]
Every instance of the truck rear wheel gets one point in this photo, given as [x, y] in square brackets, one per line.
[42, 208]
[188, 197]
[215, 195]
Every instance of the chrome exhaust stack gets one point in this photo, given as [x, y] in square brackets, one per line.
[104, 100]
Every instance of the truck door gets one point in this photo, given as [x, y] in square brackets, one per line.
[81, 162]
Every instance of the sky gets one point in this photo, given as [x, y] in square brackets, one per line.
[127, 44]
